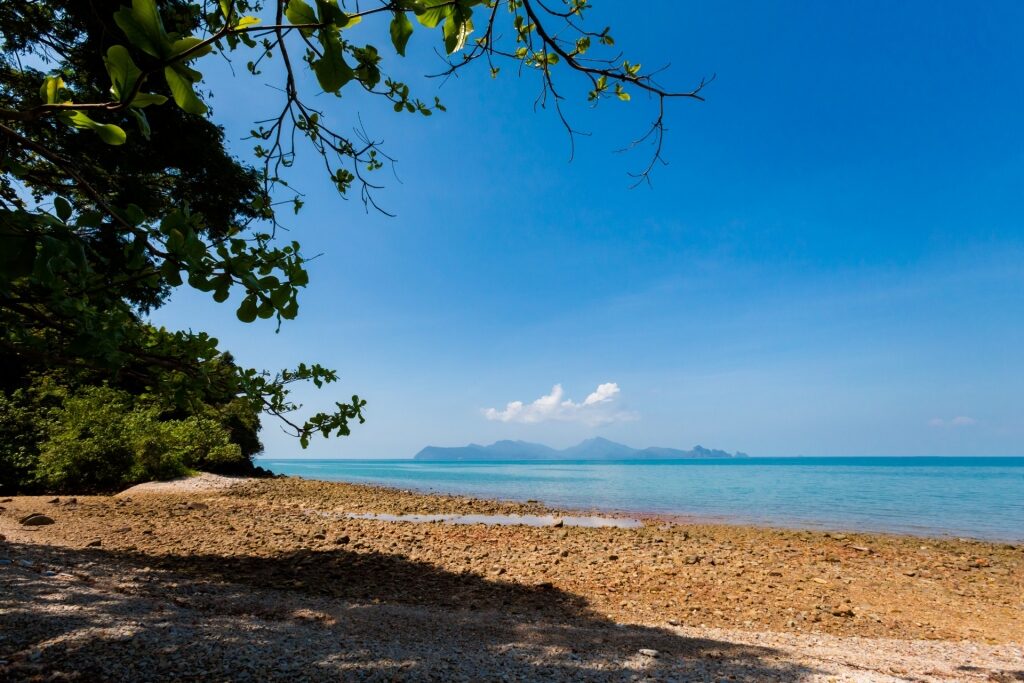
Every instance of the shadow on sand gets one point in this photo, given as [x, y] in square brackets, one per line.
[324, 615]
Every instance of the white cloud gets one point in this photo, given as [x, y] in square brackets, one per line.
[596, 409]
[958, 421]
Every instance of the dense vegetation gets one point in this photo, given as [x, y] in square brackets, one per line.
[116, 189]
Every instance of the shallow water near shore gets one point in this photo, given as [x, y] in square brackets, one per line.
[971, 497]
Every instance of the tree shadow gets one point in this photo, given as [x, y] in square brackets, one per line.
[326, 615]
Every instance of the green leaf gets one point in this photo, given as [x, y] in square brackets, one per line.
[141, 121]
[247, 310]
[457, 28]
[142, 25]
[246, 22]
[122, 71]
[430, 15]
[330, 13]
[401, 29]
[183, 45]
[50, 90]
[63, 208]
[144, 99]
[331, 70]
[298, 12]
[108, 132]
[180, 82]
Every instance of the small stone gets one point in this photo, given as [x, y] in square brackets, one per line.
[691, 559]
[673, 622]
[2, 537]
[71, 501]
[25, 563]
[96, 543]
[613, 557]
[342, 540]
[564, 553]
[49, 572]
[558, 522]
[197, 506]
[846, 612]
[909, 573]
[4, 561]
[36, 519]
[7, 500]
[647, 652]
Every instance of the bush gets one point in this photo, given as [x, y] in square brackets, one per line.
[21, 430]
[98, 440]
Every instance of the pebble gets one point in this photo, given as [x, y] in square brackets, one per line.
[4, 561]
[36, 519]
[647, 652]
[96, 543]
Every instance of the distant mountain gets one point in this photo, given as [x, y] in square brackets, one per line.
[591, 449]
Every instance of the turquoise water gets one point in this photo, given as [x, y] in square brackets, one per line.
[974, 497]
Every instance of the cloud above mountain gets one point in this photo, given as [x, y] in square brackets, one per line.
[599, 407]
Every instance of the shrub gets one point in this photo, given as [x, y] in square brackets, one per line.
[99, 441]
[21, 430]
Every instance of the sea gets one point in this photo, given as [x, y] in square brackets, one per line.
[972, 497]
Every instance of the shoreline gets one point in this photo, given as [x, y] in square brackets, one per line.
[197, 567]
[681, 518]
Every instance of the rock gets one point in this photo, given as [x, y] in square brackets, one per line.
[564, 553]
[71, 501]
[342, 540]
[845, 612]
[54, 501]
[4, 561]
[197, 506]
[558, 522]
[691, 559]
[647, 652]
[2, 537]
[7, 500]
[94, 543]
[613, 557]
[25, 563]
[673, 622]
[36, 519]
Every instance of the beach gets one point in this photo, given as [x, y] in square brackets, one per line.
[271, 580]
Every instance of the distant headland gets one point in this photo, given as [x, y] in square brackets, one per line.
[591, 449]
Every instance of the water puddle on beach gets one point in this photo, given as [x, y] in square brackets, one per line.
[503, 520]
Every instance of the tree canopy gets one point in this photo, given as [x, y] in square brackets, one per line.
[116, 187]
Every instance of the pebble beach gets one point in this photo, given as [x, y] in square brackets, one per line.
[274, 579]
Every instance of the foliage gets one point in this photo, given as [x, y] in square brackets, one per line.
[104, 210]
[103, 439]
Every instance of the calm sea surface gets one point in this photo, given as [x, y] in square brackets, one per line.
[976, 497]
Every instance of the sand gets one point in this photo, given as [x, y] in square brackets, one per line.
[267, 580]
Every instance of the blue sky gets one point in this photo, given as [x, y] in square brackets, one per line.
[831, 264]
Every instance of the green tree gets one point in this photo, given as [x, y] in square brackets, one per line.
[95, 99]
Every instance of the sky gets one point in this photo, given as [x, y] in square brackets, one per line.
[831, 263]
